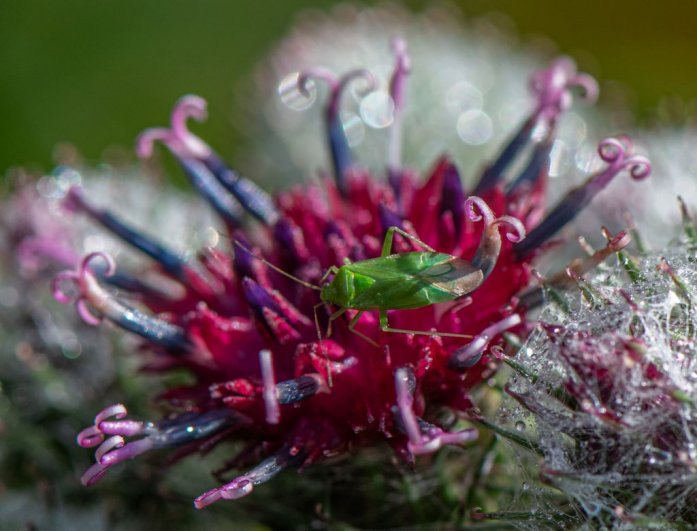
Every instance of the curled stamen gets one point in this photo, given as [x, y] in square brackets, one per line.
[177, 138]
[244, 484]
[617, 152]
[486, 212]
[112, 443]
[86, 284]
[490, 244]
[398, 85]
[552, 88]
[90, 294]
[273, 410]
[338, 143]
[515, 224]
[168, 433]
[191, 151]
[167, 258]
[336, 85]
[469, 355]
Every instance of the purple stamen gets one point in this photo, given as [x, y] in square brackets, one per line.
[490, 244]
[273, 410]
[88, 291]
[338, 143]
[469, 355]
[398, 85]
[292, 248]
[244, 484]
[552, 89]
[452, 198]
[299, 389]
[174, 265]
[123, 452]
[186, 147]
[258, 297]
[177, 138]
[389, 218]
[537, 167]
[617, 152]
[225, 204]
[168, 433]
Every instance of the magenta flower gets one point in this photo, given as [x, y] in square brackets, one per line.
[249, 334]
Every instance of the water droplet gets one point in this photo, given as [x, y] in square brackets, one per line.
[377, 110]
[475, 127]
[520, 425]
[292, 97]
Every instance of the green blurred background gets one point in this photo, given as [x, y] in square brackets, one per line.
[95, 73]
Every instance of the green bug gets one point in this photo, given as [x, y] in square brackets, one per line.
[401, 281]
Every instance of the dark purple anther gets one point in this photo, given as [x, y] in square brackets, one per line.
[298, 389]
[496, 171]
[258, 298]
[170, 262]
[452, 198]
[389, 218]
[255, 200]
[617, 152]
[90, 296]
[537, 167]
[244, 262]
[186, 146]
[291, 247]
[336, 135]
[244, 484]
[225, 205]
[551, 88]
[169, 433]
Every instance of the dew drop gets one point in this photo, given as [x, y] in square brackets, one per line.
[520, 425]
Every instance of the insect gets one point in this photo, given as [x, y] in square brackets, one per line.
[409, 280]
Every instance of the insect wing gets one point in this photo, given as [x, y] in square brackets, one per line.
[413, 280]
[454, 276]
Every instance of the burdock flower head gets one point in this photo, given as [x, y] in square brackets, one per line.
[605, 391]
[341, 313]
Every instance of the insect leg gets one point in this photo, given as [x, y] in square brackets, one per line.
[351, 326]
[333, 317]
[332, 270]
[385, 327]
[389, 236]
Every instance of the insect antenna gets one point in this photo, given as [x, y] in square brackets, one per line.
[275, 268]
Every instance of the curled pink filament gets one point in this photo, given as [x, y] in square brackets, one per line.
[336, 84]
[86, 287]
[618, 153]
[552, 87]
[177, 137]
[114, 449]
[491, 221]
